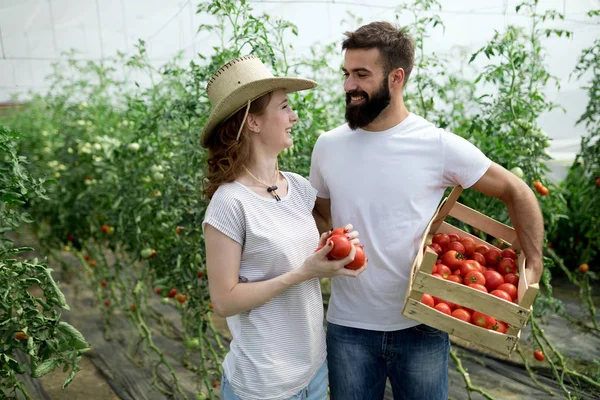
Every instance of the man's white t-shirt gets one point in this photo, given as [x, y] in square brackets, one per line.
[387, 185]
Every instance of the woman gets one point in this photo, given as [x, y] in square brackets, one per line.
[261, 237]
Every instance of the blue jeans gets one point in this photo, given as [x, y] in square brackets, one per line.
[415, 360]
[316, 389]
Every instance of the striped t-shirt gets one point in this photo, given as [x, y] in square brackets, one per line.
[278, 347]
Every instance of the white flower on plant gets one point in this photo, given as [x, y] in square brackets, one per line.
[53, 164]
[87, 181]
[125, 123]
[98, 159]
[47, 149]
[97, 146]
[44, 133]
[62, 167]
[70, 150]
[81, 122]
[57, 175]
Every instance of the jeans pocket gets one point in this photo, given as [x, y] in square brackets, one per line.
[428, 330]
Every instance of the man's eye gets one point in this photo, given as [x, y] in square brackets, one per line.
[362, 75]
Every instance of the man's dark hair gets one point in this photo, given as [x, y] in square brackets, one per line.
[396, 45]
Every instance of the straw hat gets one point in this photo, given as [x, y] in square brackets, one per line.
[239, 82]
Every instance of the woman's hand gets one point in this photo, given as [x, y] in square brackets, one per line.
[319, 266]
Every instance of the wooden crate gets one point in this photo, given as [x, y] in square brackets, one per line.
[422, 281]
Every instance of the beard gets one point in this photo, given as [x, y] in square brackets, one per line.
[361, 115]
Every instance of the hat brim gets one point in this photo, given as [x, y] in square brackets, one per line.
[239, 97]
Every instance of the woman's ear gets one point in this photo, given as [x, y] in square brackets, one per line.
[253, 123]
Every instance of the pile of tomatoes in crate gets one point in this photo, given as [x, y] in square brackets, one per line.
[485, 268]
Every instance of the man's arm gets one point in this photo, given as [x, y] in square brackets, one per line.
[524, 212]
[322, 214]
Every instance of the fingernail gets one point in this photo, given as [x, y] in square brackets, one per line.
[348, 236]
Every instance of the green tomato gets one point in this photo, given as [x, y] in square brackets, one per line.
[165, 300]
[192, 343]
[517, 171]
[133, 147]
[146, 253]
[157, 176]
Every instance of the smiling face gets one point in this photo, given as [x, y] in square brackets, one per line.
[274, 125]
[366, 86]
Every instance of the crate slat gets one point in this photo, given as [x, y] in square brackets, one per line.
[483, 222]
[502, 343]
[468, 297]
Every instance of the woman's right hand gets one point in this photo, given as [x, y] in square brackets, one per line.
[319, 266]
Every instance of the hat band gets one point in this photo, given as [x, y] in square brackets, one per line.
[243, 120]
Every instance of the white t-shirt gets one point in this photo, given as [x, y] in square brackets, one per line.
[387, 185]
[278, 347]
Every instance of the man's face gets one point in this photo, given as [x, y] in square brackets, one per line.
[366, 87]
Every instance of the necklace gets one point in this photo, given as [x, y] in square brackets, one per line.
[270, 188]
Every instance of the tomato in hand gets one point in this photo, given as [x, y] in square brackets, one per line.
[359, 259]
[341, 247]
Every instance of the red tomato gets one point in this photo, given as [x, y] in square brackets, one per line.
[539, 355]
[509, 253]
[456, 272]
[583, 268]
[469, 265]
[483, 320]
[455, 278]
[482, 249]
[427, 300]
[480, 258]
[437, 248]
[479, 287]
[507, 266]
[452, 259]
[462, 314]
[475, 277]
[501, 294]
[438, 261]
[359, 258]
[453, 237]
[442, 239]
[469, 244]
[492, 256]
[457, 246]
[172, 293]
[511, 278]
[500, 327]
[437, 275]
[434, 270]
[510, 289]
[444, 271]
[493, 279]
[338, 232]
[443, 307]
[453, 306]
[341, 247]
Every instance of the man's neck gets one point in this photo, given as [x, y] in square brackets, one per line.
[393, 114]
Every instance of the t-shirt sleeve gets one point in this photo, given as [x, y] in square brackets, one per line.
[316, 178]
[226, 214]
[310, 193]
[464, 163]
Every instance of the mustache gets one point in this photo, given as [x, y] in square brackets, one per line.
[356, 93]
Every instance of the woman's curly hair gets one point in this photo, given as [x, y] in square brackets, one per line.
[226, 155]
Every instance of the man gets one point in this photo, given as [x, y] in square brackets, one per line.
[386, 171]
